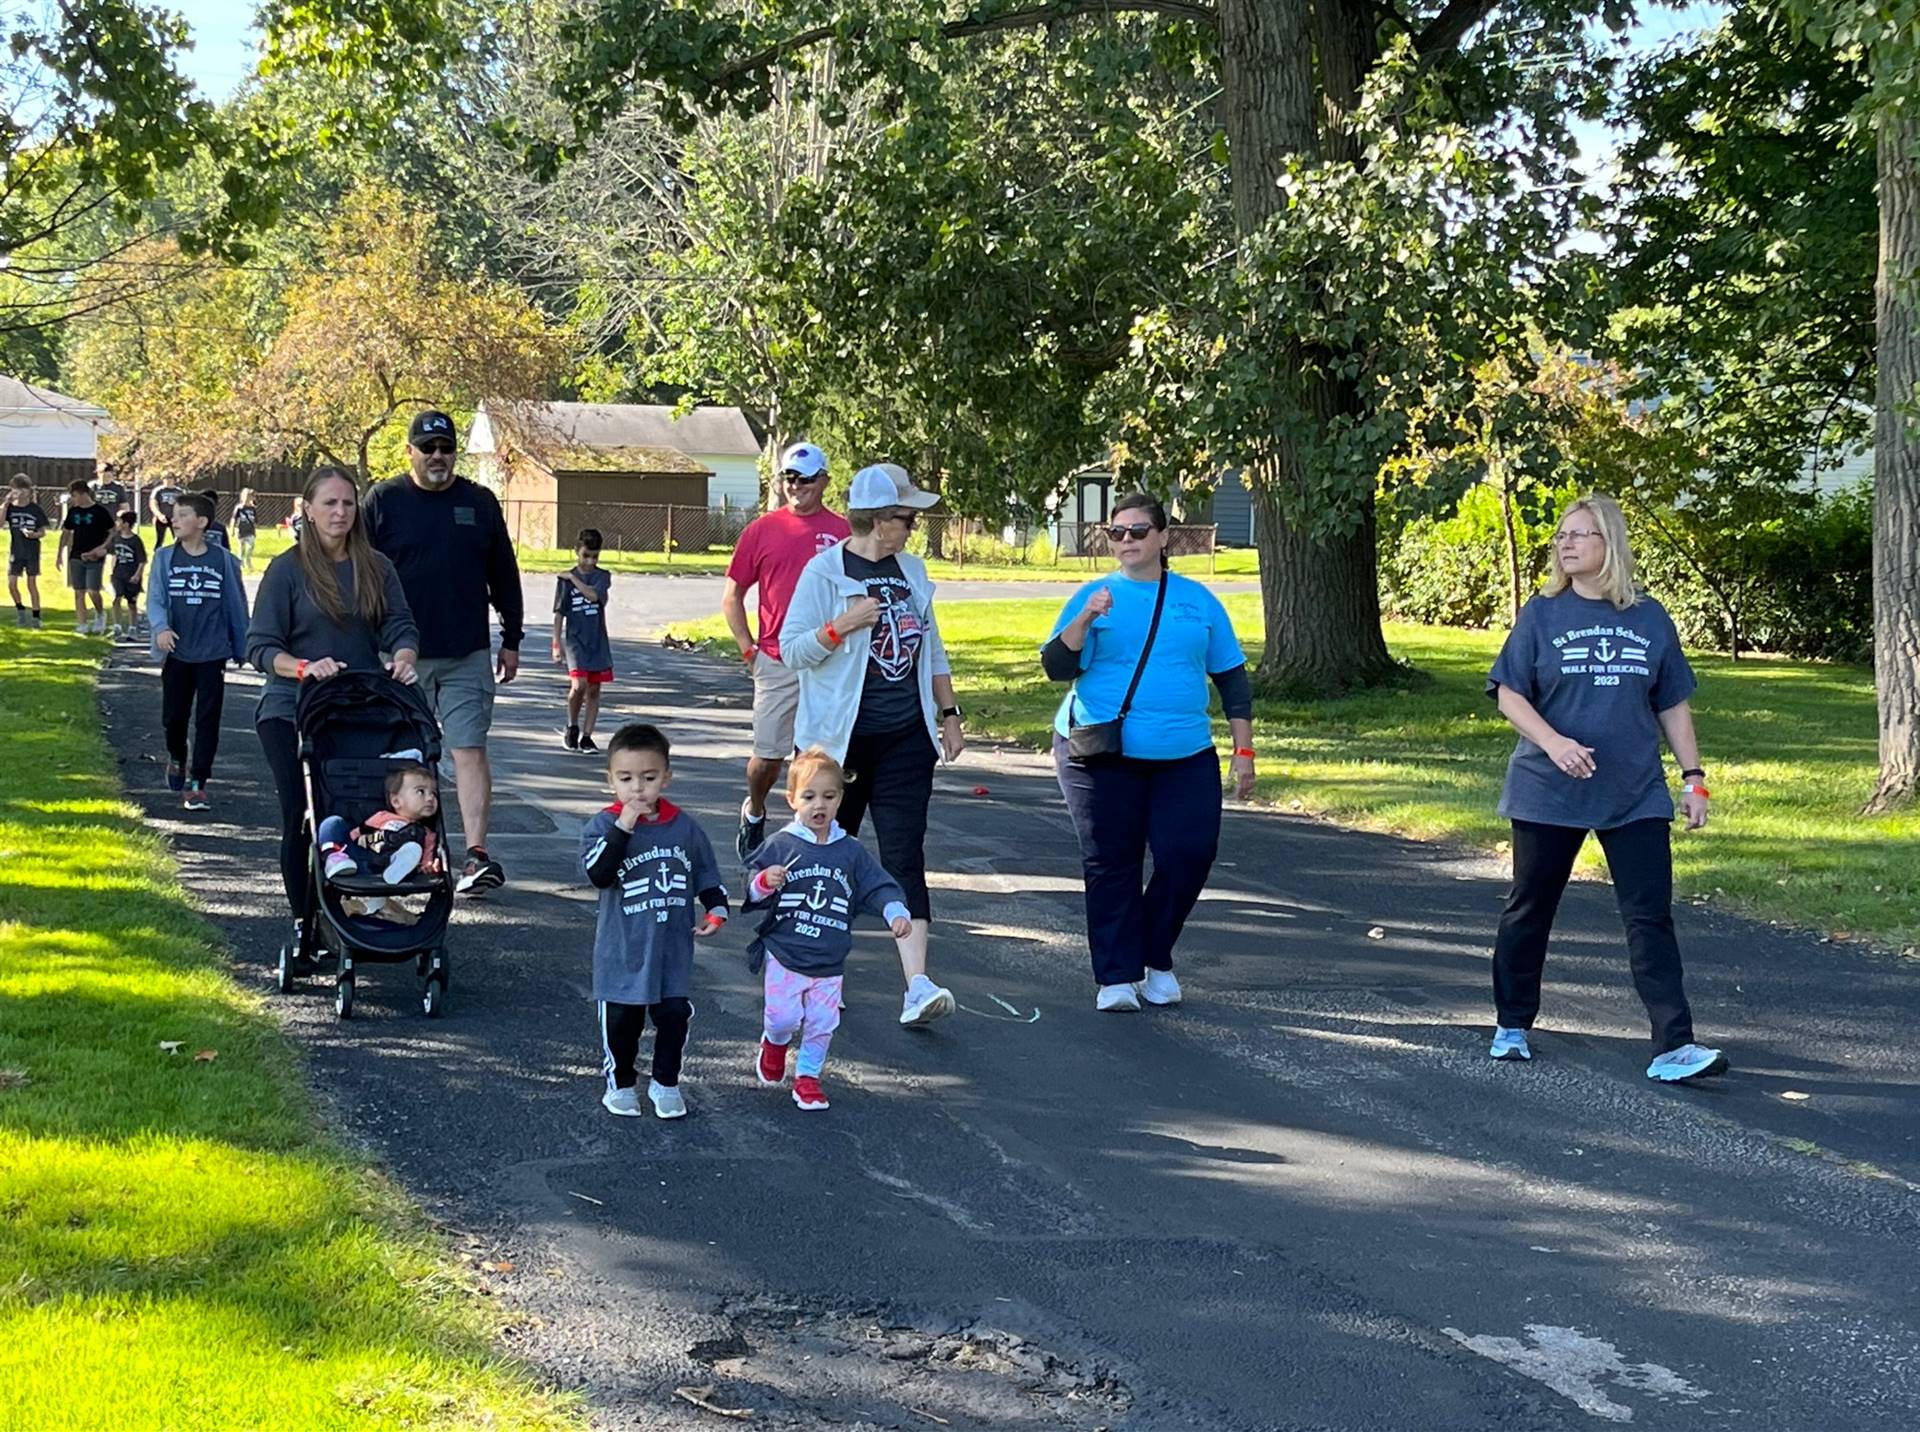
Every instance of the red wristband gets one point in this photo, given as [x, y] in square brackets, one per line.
[1246, 751]
[300, 671]
[833, 637]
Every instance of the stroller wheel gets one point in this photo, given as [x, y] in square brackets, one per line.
[283, 976]
[433, 999]
[343, 997]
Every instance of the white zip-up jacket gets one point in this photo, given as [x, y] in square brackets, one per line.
[832, 677]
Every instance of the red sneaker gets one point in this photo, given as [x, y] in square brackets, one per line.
[772, 1067]
[808, 1094]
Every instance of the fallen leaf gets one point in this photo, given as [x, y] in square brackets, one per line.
[981, 791]
[14, 1079]
[1376, 933]
[501, 1267]
[206, 1056]
[1840, 937]
[702, 1397]
[169, 1046]
[1796, 1095]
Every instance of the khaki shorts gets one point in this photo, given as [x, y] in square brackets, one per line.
[461, 690]
[776, 701]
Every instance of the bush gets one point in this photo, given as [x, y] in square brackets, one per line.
[1452, 571]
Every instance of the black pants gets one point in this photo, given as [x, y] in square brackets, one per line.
[196, 689]
[1121, 811]
[1640, 859]
[280, 741]
[620, 1028]
[891, 775]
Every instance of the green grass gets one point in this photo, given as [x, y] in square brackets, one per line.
[180, 1245]
[1235, 565]
[1791, 747]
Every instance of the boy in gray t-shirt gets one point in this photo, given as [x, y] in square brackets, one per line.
[650, 861]
[580, 641]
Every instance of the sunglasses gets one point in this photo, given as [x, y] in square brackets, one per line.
[1136, 530]
[908, 518]
[802, 477]
[437, 449]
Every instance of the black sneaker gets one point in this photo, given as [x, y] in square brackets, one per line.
[752, 834]
[572, 738]
[586, 745]
[196, 797]
[480, 874]
[176, 776]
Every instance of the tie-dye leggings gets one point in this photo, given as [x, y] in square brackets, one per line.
[801, 1004]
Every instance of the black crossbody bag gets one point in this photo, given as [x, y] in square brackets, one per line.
[1100, 742]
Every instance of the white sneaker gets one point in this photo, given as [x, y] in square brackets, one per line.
[667, 1103]
[1160, 987]
[1689, 1061]
[402, 863]
[925, 1002]
[1116, 998]
[624, 1102]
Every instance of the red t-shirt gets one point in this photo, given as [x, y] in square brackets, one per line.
[771, 553]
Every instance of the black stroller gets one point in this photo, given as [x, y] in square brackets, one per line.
[352, 728]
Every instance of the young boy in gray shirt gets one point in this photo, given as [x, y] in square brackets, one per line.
[650, 861]
[197, 605]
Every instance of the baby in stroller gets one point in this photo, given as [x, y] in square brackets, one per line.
[394, 842]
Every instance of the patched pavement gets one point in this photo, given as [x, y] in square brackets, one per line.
[1303, 1200]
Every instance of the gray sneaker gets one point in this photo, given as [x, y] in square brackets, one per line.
[667, 1103]
[1118, 999]
[1689, 1061]
[925, 1002]
[1509, 1044]
[624, 1102]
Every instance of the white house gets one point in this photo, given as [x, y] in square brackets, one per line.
[38, 425]
[718, 439]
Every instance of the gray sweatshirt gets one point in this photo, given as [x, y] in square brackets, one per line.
[286, 618]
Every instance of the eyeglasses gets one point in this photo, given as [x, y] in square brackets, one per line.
[1119, 532]
[1575, 534]
[437, 449]
[802, 477]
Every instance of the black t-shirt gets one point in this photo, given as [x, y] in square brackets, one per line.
[216, 533]
[244, 517]
[110, 495]
[26, 523]
[128, 552]
[90, 526]
[890, 699]
[164, 497]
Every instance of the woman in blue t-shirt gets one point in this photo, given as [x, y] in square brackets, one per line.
[1162, 791]
[1591, 677]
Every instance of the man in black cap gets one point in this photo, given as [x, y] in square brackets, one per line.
[446, 538]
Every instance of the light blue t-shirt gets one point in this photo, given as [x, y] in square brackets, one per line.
[1170, 717]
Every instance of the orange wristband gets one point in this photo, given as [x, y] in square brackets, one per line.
[833, 637]
[300, 672]
[1246, 751]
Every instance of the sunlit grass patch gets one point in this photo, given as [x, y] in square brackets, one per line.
[180, 1246]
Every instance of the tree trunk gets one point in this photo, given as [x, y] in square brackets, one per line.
[1320, 597]
[1896, 464]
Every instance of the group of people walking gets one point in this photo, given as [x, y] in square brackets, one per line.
[854, 700]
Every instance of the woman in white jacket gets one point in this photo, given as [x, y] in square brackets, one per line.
[876, 692]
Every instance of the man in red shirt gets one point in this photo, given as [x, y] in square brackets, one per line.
[770, 555]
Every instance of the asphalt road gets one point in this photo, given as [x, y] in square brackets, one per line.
[1303, 1200]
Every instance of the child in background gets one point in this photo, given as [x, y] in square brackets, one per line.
[246, 518]
[810, 878]
[198, 608]
[216, 529]
[129, 558]
[392, 843]
[649, 860]
[26, 525]
[580, 637]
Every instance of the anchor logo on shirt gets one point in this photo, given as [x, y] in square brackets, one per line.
[817, 897]
[1603, 649]
[193, 581]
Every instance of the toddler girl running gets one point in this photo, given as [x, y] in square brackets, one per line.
[811, 877]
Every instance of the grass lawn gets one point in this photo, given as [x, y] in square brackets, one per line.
[1791, 748]
[1236, 565]
[180, 1245]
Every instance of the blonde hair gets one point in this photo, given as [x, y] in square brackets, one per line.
[807, 766]
[1616, 573]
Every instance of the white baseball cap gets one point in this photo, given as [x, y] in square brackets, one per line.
[886, 484]
[805, 459]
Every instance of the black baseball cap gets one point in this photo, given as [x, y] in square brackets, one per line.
[430, 426]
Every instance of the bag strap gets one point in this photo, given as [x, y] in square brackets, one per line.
[1159, 601]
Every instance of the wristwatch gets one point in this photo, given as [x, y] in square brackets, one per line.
[953, 711]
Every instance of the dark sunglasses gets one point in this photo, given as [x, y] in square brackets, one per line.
[440, 449]
[1135, 530]
[802, 477]
[909, 518]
